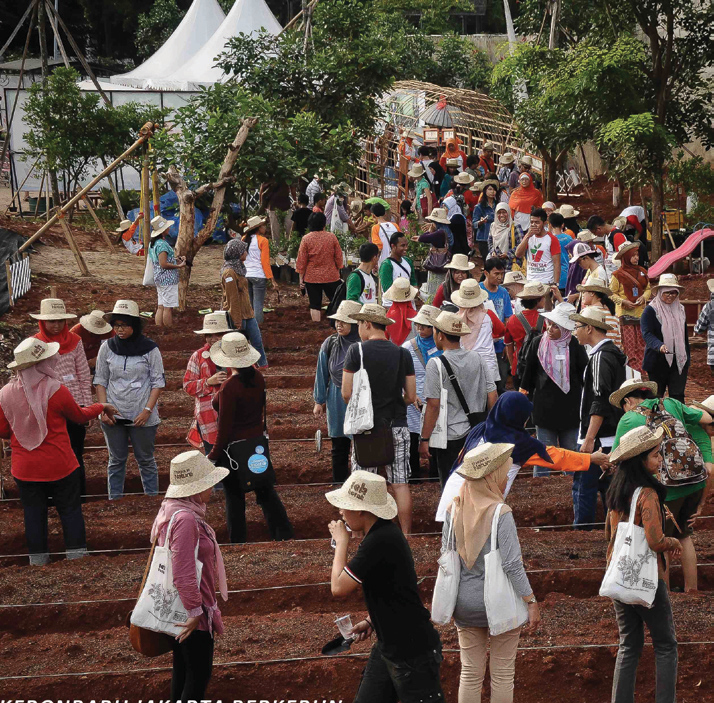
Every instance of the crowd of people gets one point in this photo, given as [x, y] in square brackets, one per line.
[564, 358]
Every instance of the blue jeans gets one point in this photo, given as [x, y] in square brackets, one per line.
[256, 291]
[565, 439]
[142, 442]
[586, 486]
[252, 331]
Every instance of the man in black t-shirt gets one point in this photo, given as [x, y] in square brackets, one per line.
[405, 662]
[390, 370]
[301, 214]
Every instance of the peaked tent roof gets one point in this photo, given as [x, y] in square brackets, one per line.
[247, 16]
[203, 18]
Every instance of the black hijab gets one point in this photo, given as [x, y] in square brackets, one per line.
[136, 345]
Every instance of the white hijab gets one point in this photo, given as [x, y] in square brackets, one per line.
[500, 231]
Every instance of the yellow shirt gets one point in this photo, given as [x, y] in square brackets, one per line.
[618, 296]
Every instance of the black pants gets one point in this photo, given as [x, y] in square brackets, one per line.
[414, 459]
[267, 498]
[77, 435]
[341, 447]
[65, 493]
[315, 291]
[482, 247]
[504, 369]
[193, 663]
[670, 379]
[445, 458]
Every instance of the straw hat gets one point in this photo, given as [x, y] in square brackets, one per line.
[416, 171]
[371, 312]
[125, 308]
[490, 182]
[364, 490]
[460, 262]
[526, 160]
[514, 277]
[477, 187]
[356, 206]
[488, 146]
[567, 211]
[560, 315]
[215, 323]
[345, 311]
[464, 178]
[124, 225]
[594, 285]
[619, 222]
[625, 247]
[192, 473]
[484, 460]
[439, 214]
[253, 223]
[469, 295]
[400, 291]
[234, 352]
[595, 317]
[342, 189]
[159, 225]
[637, 441]
[452, 163]
[532, 290]
[548, 204]
[707, 405]
[451, 323]
[667, 280]
[53, 309]
[506, 158]
[580, 250]
[629, 386]
[585, 235]
[710, 285]
[95, 322]
[31, 351]
[426, 315]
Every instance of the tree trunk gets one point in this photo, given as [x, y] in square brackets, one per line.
[550, 176]
[657, 207]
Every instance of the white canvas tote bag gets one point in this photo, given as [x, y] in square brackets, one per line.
[446, 588]
[359, 416]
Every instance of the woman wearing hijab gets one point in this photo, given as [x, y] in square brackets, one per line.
[236, 297]
[453, 152]
[553, 377]
[401, 294]
[72, 369]
[484, 217]
[440, 239]
[457, 225]
[182, 521]
[485, 473]
[130, 375]
[523, 200]
[664, 329]
[630, 288]
[457, 271]
[327, 392]
[35, 409]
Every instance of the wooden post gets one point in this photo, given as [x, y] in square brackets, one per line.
[73, 246]
[105, 236]
[9, 280]
[155, 192]
[146, 223]
[39, 194]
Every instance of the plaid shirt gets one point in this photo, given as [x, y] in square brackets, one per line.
[73, 371]
[195, 383]
[705, 323]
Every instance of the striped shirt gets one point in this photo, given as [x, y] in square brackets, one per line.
[73, 371]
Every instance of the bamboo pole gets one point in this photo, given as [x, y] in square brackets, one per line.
[146, 132]
[73, 246]
[19, 189]
[39, 193]
[146, 222]
[105, 236]
[53, 23]
[155, 192]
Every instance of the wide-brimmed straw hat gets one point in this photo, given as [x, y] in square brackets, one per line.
[233, 351]
[215, 323]
[469, 295]
[488, 146]
[567, 211]
[507, 158]
[464, 178]
[635, 442]
[451, 323]
[667, 280]
[364, 490]
[124, 225]
[125, 308]
[526, 160]
[532, 290]
[460, 262]
[630, 386]
[585, 235]
[514, 277]
[345, 311]
[426, 315]
[595, 317]
[31, 351]
[372, 312]
[594, 285]
[560, 315]
[580, 250]
[490, 182]
[619, 222]
[477, 187]
[159, 225]
[191, 473]
[707, 405]
[253, 223]
[52, 309]
[710, 285]
[452, 163]
[625, 247]
[356, 206]
[416, 171]
[439, 214]
[95, 323]
[400, 291]
[484, 460]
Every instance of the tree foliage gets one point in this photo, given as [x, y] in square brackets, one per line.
[154, 27]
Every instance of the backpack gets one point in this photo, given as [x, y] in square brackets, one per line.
[340, 295]
[531, 334]
[682, 460]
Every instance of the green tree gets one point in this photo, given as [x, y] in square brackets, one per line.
[154, 27]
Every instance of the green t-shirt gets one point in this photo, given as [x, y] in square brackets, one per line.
[689, 417]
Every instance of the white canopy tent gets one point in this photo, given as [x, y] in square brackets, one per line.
[203, 18]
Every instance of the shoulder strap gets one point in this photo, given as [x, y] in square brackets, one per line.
[494, 527]
[148, 566]
[455, 384]
[331, 346]
[409, 273]
[526, 325]
[540, 324]
[416, 349]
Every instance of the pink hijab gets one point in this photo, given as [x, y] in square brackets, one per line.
[169, 506]
[474, 318]
[554, 356]
[673, 319]
[24, 401]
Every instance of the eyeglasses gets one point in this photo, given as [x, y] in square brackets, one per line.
[579, 327]
[673, 293]
[121, 326]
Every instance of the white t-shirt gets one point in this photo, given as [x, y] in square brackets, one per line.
[637, 210]
[386, 230]
[539, 258]
[369, 294]
[253, 265]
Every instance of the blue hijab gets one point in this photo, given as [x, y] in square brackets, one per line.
[505, 423]
[425, 347]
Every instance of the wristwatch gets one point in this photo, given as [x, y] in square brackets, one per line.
[532, 599]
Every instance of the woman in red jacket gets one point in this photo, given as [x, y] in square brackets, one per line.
[34, 410]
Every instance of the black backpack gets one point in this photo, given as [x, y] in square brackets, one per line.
[531, 334]
[339, 296]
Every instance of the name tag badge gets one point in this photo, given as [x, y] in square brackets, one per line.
[68, 377]
[560, 357]
[229, 279]
[136, 384]
[635, 291]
